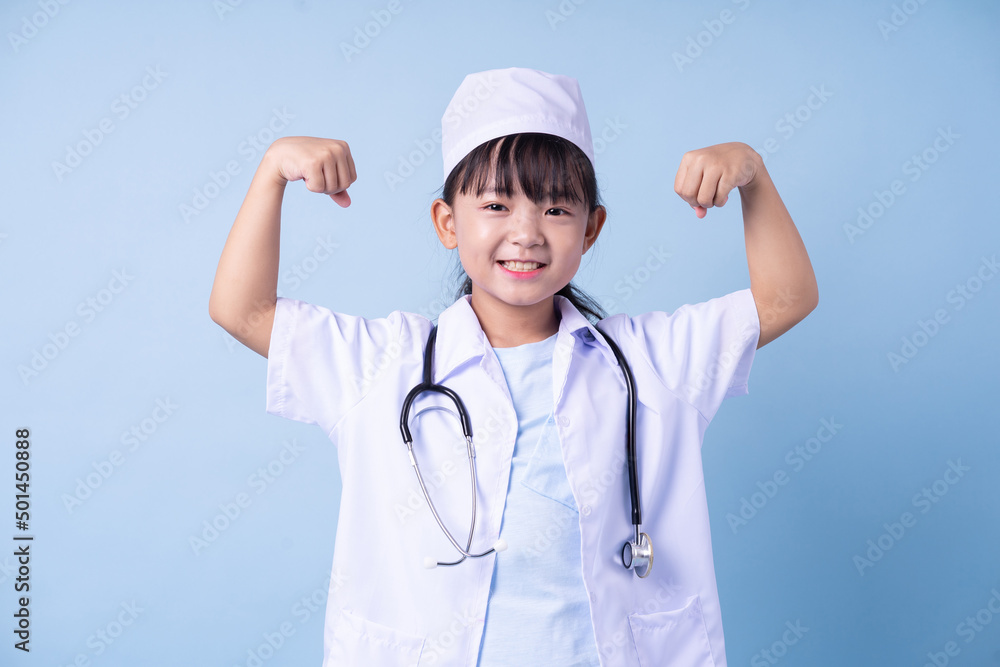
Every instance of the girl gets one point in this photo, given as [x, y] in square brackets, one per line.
[546, 522]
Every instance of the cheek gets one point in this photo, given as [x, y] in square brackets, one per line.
[472, 253]
[571, 243]
[474, 241]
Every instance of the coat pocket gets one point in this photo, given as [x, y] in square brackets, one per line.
[358, 641]
[673, 638]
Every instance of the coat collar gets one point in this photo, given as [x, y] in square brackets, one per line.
[460, 336]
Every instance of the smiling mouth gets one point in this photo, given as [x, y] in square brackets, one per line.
[520, 266]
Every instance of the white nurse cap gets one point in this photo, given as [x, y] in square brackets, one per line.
[499, 102]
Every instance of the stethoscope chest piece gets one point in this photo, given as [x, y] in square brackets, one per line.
[637, 555]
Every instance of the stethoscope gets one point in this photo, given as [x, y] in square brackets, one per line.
[637, 553]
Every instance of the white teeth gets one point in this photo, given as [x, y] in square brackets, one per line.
[521, 266]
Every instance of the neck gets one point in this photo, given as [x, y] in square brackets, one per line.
[509, 326]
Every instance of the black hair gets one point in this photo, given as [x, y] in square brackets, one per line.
[544, 167]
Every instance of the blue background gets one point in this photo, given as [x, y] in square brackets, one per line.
[224, 70]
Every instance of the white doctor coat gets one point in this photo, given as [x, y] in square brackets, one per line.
[349, 375]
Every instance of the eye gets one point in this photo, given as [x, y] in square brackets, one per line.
[489, 207]
[559, 211]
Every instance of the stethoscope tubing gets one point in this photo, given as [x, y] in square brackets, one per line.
[428, 385]
[632, 409]
[640, 548]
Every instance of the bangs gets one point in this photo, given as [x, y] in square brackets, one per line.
[542, 166]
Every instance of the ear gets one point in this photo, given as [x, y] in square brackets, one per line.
[595, 223]
[444, 223]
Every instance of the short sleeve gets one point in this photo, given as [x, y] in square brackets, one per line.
[317, 360]
[702, 352]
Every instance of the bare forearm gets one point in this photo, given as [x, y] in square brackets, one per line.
[246, 282]
[781, 276]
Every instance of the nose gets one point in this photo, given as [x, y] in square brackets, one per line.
[525, 227]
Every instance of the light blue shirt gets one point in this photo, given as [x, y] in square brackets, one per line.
[538, 610]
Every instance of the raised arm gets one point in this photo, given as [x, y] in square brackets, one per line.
[781, 276]
[246, 282]
[245, 290]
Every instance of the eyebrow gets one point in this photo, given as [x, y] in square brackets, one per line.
[564, 201]
[491, 192]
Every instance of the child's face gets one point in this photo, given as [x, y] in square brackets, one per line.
[491, 232]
